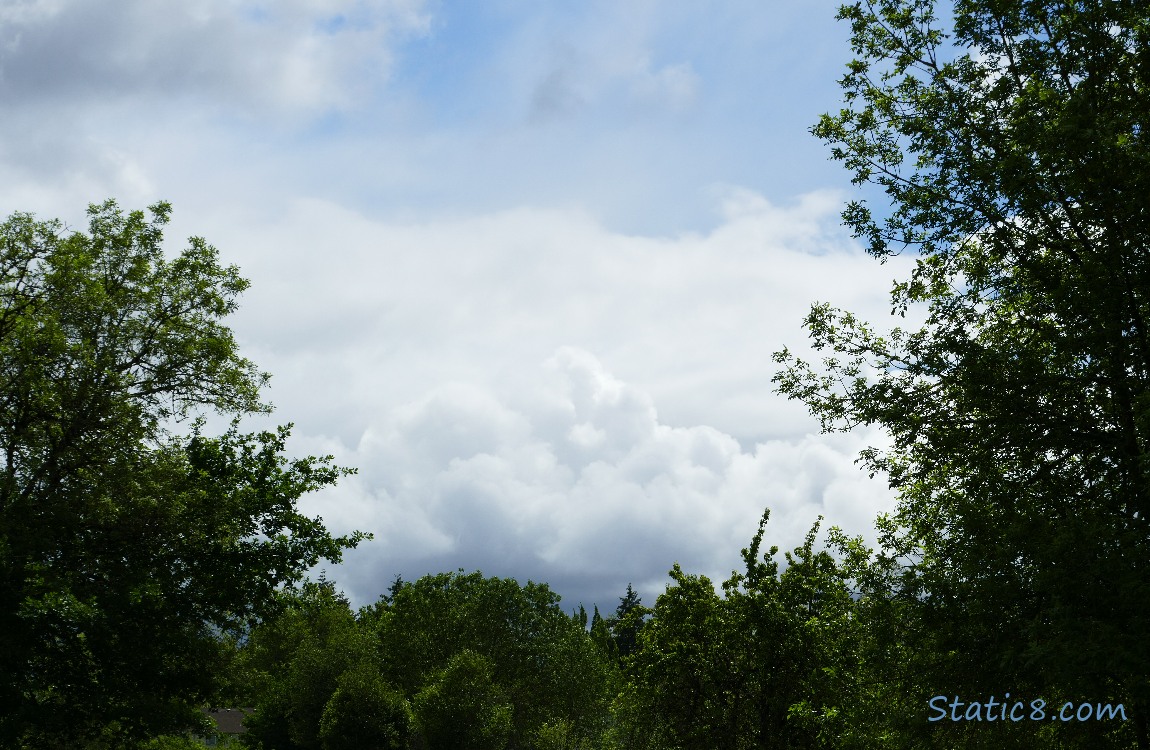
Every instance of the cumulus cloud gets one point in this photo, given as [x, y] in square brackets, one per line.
[582, 486]
[532, 394]
[370, 312]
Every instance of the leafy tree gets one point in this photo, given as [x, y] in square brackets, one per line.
[580, 617]
[546, 665]
[365, 713]
[796, 631]
[1012, 149]
[463, 708]
[173, 742]
[126, 550]
[634, 725]
[559, 734]
[683, 663]
[769, 664]
[296, 661]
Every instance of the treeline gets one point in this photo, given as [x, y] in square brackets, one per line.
[458, 660]
[789, 656]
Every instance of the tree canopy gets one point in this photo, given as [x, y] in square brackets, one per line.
[1010, 145]
[548, 667]
[767, 664]
[127, 550]
[447, 661]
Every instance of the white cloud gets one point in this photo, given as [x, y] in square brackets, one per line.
[298, 56]
[461, 479]
[532, 394]
[369, 313]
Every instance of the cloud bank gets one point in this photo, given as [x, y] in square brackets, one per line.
[581, 485]
[532, 394]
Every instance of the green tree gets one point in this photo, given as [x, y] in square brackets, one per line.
[295, 662]
[627, 622]
[580, 617]
[559, 734]
[601, 636]
[463, 708]
[173, 742]
[793, 634]
[682, 666]
[1012, 149]
[769, 664]
[365, 713]
[546, 665]
[125, 550]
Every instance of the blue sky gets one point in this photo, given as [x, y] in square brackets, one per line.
[522, 263]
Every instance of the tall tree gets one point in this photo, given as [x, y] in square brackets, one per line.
[125, 550]
[463, 706]
[1011, 144]
[628, 621]
[601, 636]
[364, 712]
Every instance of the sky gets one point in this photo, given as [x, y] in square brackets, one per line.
[521, 263]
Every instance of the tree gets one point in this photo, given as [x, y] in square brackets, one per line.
[463, 707]
[796, 634]
[769, 664]
[546, 666]
[365, 713]
[682, 665]
[295, 662]
[601, 636]
[628, 621]
[1013, 153]
[127, 550]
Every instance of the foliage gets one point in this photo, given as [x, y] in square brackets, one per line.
[462, 707]
[601, 636]
[1013, 153]
[296, 661]
[172, 742]
[447, 659]
[125, 551]
[627, 622]
[768, 665]
[547, 666]
[365, 713]
[558, 734]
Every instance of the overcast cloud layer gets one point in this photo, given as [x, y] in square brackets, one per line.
[523, 264]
